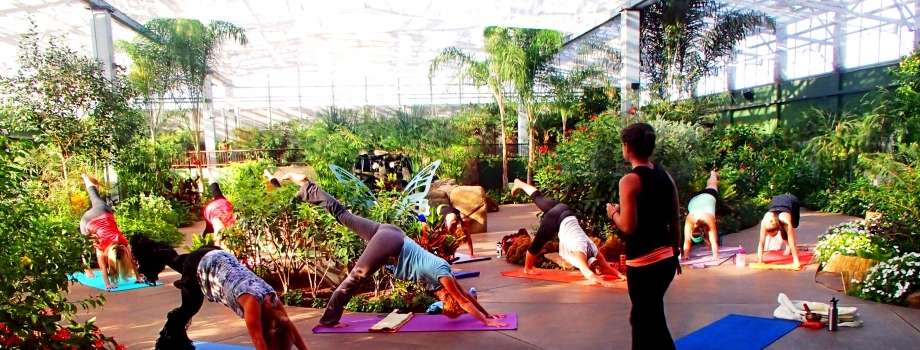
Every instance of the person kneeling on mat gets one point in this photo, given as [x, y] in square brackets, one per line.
[574, 245]
[112, 250]
[216, 274]
[700, 224]
[782, 217]
[384, 242]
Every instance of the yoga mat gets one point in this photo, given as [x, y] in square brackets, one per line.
[574, 277]
[459, 275]
[419, 323]
[200, 345]
[467, 259]
[737, 332]
[777, 258]
[99, 284]
[701, 255]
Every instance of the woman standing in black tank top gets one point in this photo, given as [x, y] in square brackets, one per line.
[648, 214]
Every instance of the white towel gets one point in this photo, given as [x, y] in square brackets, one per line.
[788, 310]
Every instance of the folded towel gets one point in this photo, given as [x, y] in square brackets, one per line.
[793, 310]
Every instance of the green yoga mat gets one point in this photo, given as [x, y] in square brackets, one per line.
[99, 284]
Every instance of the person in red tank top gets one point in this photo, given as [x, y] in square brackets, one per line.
[113, 252]
[218, 214]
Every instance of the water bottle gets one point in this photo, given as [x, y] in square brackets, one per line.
[473, 293]
[498, 250]
[833, 316]
[740, 257]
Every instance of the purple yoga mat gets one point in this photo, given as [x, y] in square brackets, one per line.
[419, 323]
[700, 255]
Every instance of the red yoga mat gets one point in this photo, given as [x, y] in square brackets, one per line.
[419, 323]
[777, 258]
[565, 276]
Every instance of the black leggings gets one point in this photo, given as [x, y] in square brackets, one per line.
[99, 207]
[178, 320]
[383, 242]
[553, 213]
[647, 286]
[215, 190]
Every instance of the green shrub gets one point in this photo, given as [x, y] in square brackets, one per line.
[293, 297]
[852, 239]
[890, 281]
[150, 216]
[422, 301]
[358, 303]
[319, 303]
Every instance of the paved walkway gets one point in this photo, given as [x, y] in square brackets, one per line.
[552, 315]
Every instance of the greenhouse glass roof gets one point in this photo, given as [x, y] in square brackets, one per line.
[377, 52]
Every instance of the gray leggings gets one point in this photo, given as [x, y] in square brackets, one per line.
[99, 207]
[383, 241]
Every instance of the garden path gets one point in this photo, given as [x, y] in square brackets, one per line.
[552, 315]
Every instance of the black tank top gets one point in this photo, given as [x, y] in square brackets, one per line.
[653, 209]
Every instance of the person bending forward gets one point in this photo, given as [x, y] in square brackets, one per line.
[574, 245]
[700, 224]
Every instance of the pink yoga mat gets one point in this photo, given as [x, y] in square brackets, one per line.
[700, 255]
[419, 323]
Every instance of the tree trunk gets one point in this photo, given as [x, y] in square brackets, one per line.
[564, 130]
[530, 153]
[501, 113]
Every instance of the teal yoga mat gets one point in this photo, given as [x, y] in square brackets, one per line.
[99, 284]
[200, 345]
[737, 332]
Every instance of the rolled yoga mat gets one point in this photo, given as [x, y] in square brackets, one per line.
[419, 323]
[737, 332]
[459, 275]
[565, 276]
[700, 255]
[467, 259]
[200, 345]
[99, 284]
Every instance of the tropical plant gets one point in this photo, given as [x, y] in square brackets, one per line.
[64, 99]
[150, 216]
[156, 77]
[193, 48]
[685, 40]
[890, 281]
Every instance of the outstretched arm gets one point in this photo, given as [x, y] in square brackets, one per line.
[713, 237]
[688, 239]
[450, 286]
[607, 268]
[763, 238]
[252, 313]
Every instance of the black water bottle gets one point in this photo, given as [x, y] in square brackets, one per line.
[832, 316]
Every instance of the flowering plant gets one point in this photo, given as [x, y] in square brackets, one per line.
[891, 280]
[854, 239]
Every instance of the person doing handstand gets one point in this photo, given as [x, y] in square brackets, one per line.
[574, 245]
[384, 242]
[112, 250]
[700, 224]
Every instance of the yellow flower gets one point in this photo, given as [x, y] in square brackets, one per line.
[25, 261]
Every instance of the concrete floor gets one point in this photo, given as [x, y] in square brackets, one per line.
[551, 315]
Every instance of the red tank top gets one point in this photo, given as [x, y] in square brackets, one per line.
[105, 231]
[220, 209]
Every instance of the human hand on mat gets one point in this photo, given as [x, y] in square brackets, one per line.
[109, 286]
[496, 316]
[496, 324]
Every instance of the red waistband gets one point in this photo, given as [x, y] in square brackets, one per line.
[651, 258]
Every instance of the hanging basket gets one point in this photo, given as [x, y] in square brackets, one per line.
[845, 269]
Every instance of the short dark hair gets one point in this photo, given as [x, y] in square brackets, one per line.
[641, 139]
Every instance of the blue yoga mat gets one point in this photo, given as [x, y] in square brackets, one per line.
[200, 345]
[99, 284]
[459, 275]
[737, 332]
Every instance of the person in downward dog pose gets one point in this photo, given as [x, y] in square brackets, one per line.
[782, 217]
[385, 242]
[700, 224]
[112, 250]
[455, 220]
[212, 273]
[574, 245]
[218, 214]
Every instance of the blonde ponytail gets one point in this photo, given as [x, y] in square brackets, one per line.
[119, 267]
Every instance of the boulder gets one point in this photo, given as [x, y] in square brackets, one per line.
[471, 201]
[436, 198]
[445, 185]
[913, 299]
[558, 260]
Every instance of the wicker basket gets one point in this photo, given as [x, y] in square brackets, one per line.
[850, 268]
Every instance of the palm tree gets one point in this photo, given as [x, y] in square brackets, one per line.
[566, 89]
[538, 49]
[154, 75]
[686, 40]
[495, 71]
[193, 47]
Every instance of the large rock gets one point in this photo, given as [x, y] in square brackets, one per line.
[436, 198]
[558, 260]
[913, 299]
[471, 201]
[444, 185]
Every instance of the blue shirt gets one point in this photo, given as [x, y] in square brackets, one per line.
[417, 264]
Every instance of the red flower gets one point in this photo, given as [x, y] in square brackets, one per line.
[544, 149]
[61, 335]
[594, 117]
[632, 110]
[14, 340]
[96, 332]
[120, 347]
[99, 344]
[582, 128]
[3, 327]
[569, 131]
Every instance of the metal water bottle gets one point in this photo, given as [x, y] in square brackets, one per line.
[498, 250]
[832, 316]
[473, 293]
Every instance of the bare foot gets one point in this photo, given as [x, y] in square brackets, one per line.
[337, 325]
[518, 185]
[267, 173]
[531, 272]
